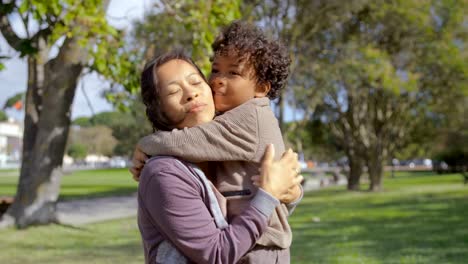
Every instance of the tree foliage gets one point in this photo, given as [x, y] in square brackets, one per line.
[77, 151]
[185, 24]
[10, 102]
[3, 116]
[97, 139]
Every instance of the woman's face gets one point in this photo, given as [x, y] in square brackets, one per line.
[186, 98]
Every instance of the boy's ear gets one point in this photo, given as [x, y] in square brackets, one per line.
[262, 90]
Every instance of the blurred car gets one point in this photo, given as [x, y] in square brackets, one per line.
[117, 162]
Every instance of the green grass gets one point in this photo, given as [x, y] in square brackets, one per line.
[418, 218]
[80, 184]
[109, 242]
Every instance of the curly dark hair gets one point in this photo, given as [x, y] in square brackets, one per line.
[269, 58]
[150, 88]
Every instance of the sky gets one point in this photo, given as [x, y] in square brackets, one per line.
[13, 78]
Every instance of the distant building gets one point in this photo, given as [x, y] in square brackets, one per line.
[11, 141]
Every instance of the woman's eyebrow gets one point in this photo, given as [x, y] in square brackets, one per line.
[191, 74]
[173, 82]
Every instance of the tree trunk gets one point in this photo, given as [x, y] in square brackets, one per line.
[355, 172]
[47, 122]
[375, 169]
[355, 167]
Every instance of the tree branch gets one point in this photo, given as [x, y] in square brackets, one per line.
[7, 31]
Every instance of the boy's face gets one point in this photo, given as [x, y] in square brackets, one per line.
[232, 81]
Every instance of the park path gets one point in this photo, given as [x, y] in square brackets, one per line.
[86, 211]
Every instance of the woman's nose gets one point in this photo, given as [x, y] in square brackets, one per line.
[192, 94]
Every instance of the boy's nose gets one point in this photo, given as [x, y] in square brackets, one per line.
[217, 82]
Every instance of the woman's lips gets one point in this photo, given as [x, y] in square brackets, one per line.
[196, 107]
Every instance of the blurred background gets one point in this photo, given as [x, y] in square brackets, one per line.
[375, 105]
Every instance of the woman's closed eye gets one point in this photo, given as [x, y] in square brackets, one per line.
[173, 91]
[195, 81]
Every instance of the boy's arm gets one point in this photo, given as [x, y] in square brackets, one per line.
[231, 136]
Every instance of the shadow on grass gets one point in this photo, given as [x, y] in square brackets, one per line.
[426, 230]
[72, 192]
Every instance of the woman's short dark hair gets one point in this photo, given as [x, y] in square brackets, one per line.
[150, 88]
[269, 58]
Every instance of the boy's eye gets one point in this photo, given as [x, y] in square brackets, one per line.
[214, 71]
[234, 73]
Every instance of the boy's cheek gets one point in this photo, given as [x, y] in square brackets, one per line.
[220, 105]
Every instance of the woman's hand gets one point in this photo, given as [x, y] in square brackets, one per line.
[279, 178]
[138, 161]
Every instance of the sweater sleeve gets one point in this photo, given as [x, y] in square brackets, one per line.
[231, 136]
[176, 205]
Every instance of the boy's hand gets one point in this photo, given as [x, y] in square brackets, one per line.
[293, 194]
[138, 161]
[279, 178]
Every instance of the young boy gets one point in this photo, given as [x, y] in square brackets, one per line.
[247, 71]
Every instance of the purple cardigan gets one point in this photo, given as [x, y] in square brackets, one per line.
[172, 206]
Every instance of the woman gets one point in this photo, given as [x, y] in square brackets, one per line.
[177, 209]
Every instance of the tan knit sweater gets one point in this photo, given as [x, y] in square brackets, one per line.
[238, 138]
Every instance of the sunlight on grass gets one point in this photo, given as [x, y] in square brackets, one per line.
[82, 184]
[416, 219]
[109, 242]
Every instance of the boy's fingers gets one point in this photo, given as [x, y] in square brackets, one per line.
[135, 173]
[269, 155]
[287, 152]
[298, 180]
[255, 178]
[290, 156]
[142, 156]
[138, 164]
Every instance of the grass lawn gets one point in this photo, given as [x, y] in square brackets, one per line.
[108, 242]
[80, 184]
[419, 218]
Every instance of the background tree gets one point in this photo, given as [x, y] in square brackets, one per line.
[185, 24]
[77, 151]
[127, 127]
[3, 116]
[377, 70]
[79, 32]
[97, 139]
[14, 101]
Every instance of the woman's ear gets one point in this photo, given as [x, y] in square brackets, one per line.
[262, 90]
